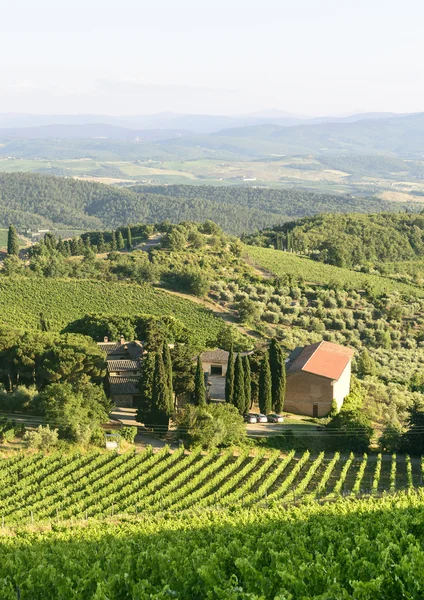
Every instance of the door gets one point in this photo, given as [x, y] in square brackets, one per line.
[315, 410]
[216, 370]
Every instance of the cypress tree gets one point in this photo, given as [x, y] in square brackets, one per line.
[247, 384]
[113, 245]
[199, 385]
[229, 377]
[120, 244]
[80, 247]
[87, 242]
[101, 246]
[239, 397]
[160, 397]
[12, 242]
[73, 245]
[60, 246]
[278, 375]
[167, 363]
[144, 409]
[129, 238]
[265, 387]
[67, 248]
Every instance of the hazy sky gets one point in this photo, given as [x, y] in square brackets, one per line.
[309, 57]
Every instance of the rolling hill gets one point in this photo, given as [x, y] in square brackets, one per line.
[39, 201]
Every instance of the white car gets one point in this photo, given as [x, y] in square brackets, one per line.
[274, 418]
[261, 418]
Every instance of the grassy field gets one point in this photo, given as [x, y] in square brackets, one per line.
[63, 301]
[283, 263]
[3, 240]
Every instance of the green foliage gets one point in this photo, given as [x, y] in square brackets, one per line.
[229, 378]
[355, 239]
[265, 386]
[162, 407]
[365, 364]
[65, 301]
[247, 384]
[12, 241]
[239, 394]
[42, 438]
[128, 434]
[199, 396]
[413, 438]
[145, 405]
[350, 430]
[76, 413]
[278, 375]
[216, 425]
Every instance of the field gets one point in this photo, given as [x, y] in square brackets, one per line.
[102, 485]
[284, 263]
[363, 549]
[338, 175]
[64, 301]
[3, 239]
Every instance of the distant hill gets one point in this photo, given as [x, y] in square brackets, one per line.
[34, 201]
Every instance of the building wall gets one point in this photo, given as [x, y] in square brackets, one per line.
[305, 389]
[124, 400]
[207, 367]
[341, 387]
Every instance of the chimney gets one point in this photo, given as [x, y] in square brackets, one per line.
[122, 340]
[105, 339]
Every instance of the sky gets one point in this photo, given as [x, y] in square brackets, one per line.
[127, 57]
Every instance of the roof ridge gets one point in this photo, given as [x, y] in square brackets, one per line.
[319, 344]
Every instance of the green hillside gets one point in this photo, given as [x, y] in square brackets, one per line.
[44, 201]
[64, 301]
[285, 263]
[352, 239]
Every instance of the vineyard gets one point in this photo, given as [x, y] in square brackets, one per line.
[99, 484]
[368, 549]
[64, 301]
[284, 263]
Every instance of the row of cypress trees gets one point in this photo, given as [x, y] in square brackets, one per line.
[238, 382]
[156, 404]
[272, 381]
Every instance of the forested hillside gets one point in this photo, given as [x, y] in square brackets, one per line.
[352, 239]
[34, 201]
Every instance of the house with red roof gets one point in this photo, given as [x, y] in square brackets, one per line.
[317, 375]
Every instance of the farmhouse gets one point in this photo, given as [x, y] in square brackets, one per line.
[124, 371]
[317, 375]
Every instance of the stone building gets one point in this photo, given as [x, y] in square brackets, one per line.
[317, 375]
[124, 361]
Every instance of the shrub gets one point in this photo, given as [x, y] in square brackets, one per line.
[216, 425]
[42, 438]
[128, 434]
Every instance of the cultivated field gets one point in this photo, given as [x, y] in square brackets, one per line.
[62, 486]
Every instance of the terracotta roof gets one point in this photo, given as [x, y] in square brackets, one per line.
[323, 358]
[123, 365]
[123, 385]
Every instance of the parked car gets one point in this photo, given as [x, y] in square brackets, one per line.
[274, 418]
[261, 418]
[250, 418]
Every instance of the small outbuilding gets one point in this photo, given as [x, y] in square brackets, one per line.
[317, 375]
